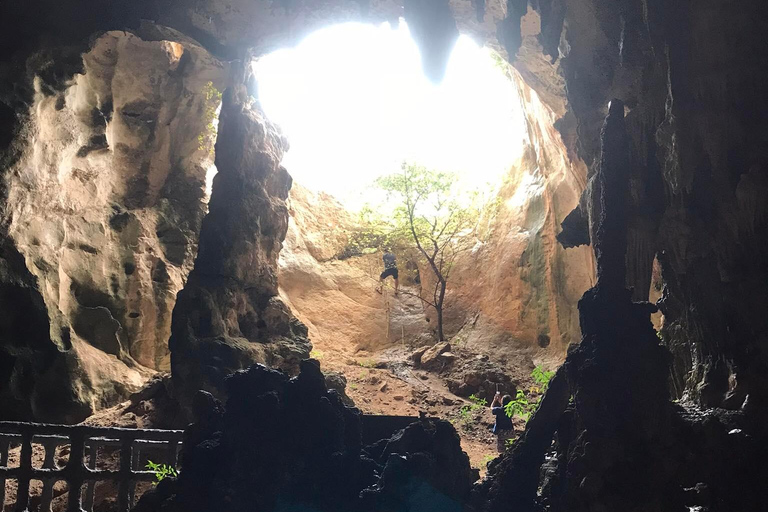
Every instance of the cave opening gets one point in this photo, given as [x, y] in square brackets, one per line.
[358, 110]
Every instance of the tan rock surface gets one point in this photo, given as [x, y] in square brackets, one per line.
[105, 206]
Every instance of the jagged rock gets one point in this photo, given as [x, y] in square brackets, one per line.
[338, 382]
[415, 356]
[480, 378]
[423, 469]
[104, 203]
[291, 444]
[430, 359]
[228, 315]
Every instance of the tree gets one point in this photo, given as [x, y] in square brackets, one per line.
[438, 218]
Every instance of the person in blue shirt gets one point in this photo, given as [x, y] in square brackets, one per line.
[503, 427]
[390, 269]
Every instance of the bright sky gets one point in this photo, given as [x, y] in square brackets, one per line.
[354, 103]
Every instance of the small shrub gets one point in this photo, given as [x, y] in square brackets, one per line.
[520, 406]
[211, 102]
[486, 460]
[509, 443]
[542, 378]
[467, 410]
[316, 354]
[367, 363]
[161, 471]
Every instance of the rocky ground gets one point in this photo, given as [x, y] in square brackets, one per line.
[370, 338]
[389, 381]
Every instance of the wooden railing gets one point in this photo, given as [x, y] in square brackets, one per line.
[81, 480]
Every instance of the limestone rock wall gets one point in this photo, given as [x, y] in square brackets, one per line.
[228, 316]
[104, 205]
[334, 297]
[687, 75]
[518, 286]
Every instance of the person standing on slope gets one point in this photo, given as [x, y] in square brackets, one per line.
[390, 269]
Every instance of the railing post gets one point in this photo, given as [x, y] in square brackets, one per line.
[50, 445]
[93, 452]
[173, 453]
[75, 470]
[25, 471]
[5, 443]
[126, 458]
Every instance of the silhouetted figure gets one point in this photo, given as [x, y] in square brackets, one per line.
[503, 427]
[390, 269]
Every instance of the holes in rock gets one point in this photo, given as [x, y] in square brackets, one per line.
[543, 340]
[96, 143]
[134, 314]
[173, 242]
[88, 248]
[160, 272]
[118, 221]
[89, 297]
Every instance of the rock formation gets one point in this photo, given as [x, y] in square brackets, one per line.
[334, 295]
[518, 286]
[104, 205]
[689, 75]
[290, 444]
[228, 315]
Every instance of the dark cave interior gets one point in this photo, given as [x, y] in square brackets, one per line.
[662, 102]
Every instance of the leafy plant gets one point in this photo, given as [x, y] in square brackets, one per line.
[520, 406]
[316, 354]
[486, 460]
[467, 410]
[509, 443]
[438, 217]
[542, 378]
[161, 471]
[367, 363]
[211, 102]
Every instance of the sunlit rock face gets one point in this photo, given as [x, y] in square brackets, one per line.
[228, 315]
[333, 292]
[105, 205]
[517, 285]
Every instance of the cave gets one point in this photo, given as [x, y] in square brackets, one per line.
[173, 300]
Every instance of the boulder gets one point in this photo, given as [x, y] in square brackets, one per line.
[430, 359]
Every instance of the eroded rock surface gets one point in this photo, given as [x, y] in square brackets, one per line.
[105, 204]
[517, 286]
[290, 444]
[228, 316]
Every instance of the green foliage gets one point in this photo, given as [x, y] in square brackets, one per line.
[487, 459]
[211, 102]
[374, 233]
[161, 471]
[509, 443]
[467, 410]
[477, 401]
[431, 210]
[367, 363]
[352, 386]
[542, 378]
[316, 354]
[520, 406]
